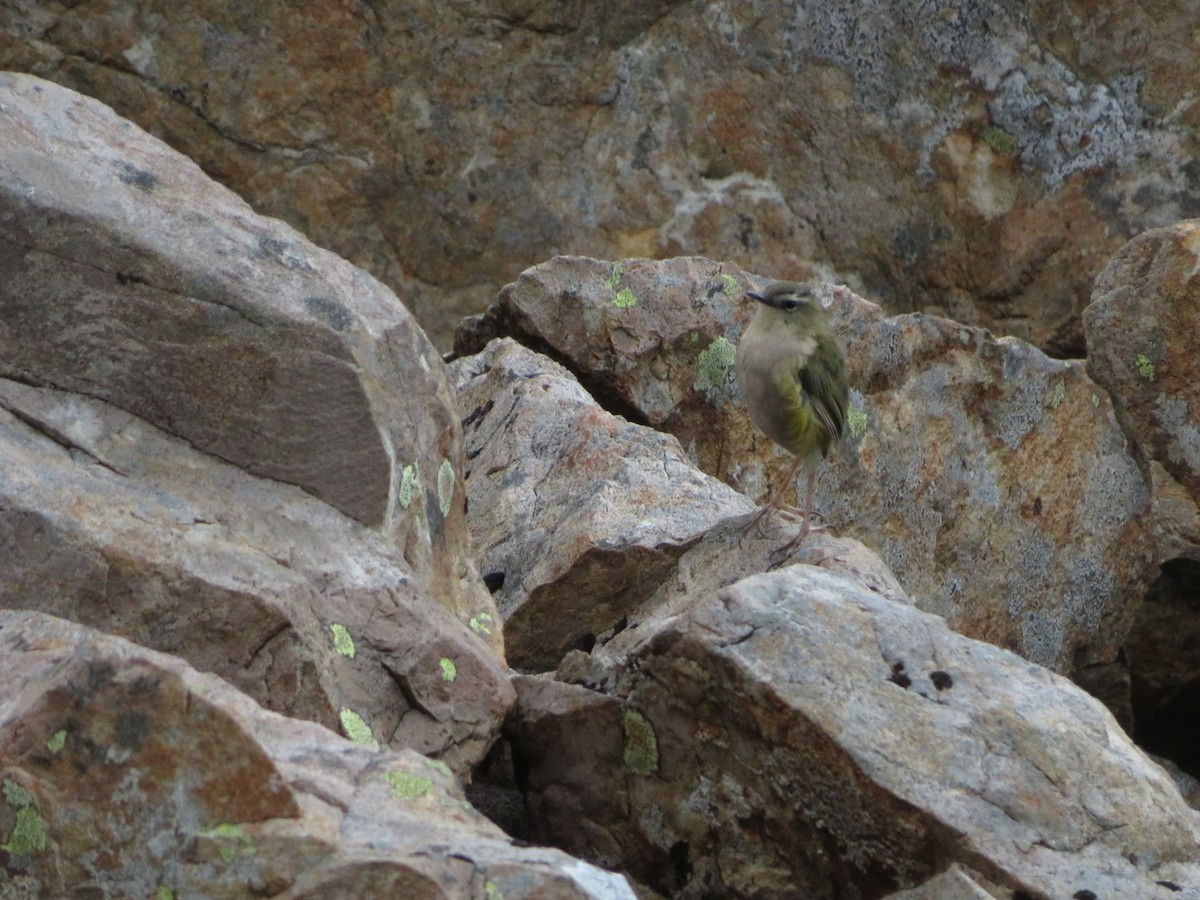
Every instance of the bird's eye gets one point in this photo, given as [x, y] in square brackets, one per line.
[790, 304]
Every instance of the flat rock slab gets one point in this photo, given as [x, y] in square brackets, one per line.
[798, 735]
[132, 277]
[106, 520]
[126, 773]
[578, 515]
[994, 481]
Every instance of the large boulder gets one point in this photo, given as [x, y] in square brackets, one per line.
[126, 773]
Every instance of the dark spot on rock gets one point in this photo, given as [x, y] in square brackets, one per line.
[941, 680]
[1169, 885]
[1084, 895]
[130, 278]
[1022, 895]
[493, 581]
[478, 413]
[139, 178]
[681, 862]
[899, 676]
[621, 625]
[472, 196]
[1037, 506]
[131, 730]
[329, 311]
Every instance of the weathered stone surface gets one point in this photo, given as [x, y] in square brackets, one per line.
[132, 277]
[983, 163]
[109, 521]
[798, 735]
[1141, 333]
[578, 514]
[128, 774]
[992, 480]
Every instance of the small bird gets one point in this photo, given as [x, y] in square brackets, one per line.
[793, 381]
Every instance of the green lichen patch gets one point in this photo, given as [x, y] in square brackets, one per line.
[342, 642]
[28, 835]
[232, 842]
[999, 140]
[731, 285]
[712, 365]
[1096, 401]
[356, 729]
[408, 486]
[1058, 395]
[449, 669]
[445, 487]
[407, 786]
[641, 745]
[57, 741]
[15, 795]
[614, 277]
[482, 623]
[856, 420]
[439, 766]
[1145, 367]
[164, 893]
[625, 299]
[493, 892]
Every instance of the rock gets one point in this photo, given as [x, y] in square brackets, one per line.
[992, 480]
[128, 773]
[1140, 330]
[981, 164]
[796, 734]
[133, 278]
[578, 514]
[109, 521]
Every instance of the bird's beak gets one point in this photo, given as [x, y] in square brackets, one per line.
[755, 295]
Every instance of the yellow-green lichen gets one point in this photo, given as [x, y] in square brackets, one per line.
[15, 795]
[856, 419]
[449, 670]
[232, 842]
[342, 642]
[164, 893]
[731, 288]
[445, 487]
[1058, 395]
[1145, 367]
[712, 365]
[482, 623]
[999, 139]
[356, 729]
[58, 741]
[1096, 400]
[641, 745]
[964, 335]
[408, 486]
[407, 786]
[625, 298]
[439, 766]
[28, 835]
[493, 892]
[614, 277]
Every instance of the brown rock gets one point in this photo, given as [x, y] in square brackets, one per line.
[982, 164]
[578, 514]
[992, 480]
[128, 774]
[106, 520]
[133, 278]
[798, 735]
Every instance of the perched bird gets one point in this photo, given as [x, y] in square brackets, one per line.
[793, 381]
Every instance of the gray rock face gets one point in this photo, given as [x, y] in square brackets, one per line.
[580, 514]
[797, 735]
[981, 164]
[128, 773]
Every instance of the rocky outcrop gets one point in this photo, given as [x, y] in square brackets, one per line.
[982, 164]
[223, 442]
[126, 773]
[992, 480]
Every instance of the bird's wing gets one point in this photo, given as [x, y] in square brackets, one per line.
[823, 380]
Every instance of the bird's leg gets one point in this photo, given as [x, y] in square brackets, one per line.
[776, 501]
[806, 527]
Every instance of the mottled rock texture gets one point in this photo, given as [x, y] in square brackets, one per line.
[221, 440]
[795, 735]
[981, 160]
[578, 514]
[126, 773]
[993, 480]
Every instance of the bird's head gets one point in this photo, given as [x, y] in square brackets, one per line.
[790, 304]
